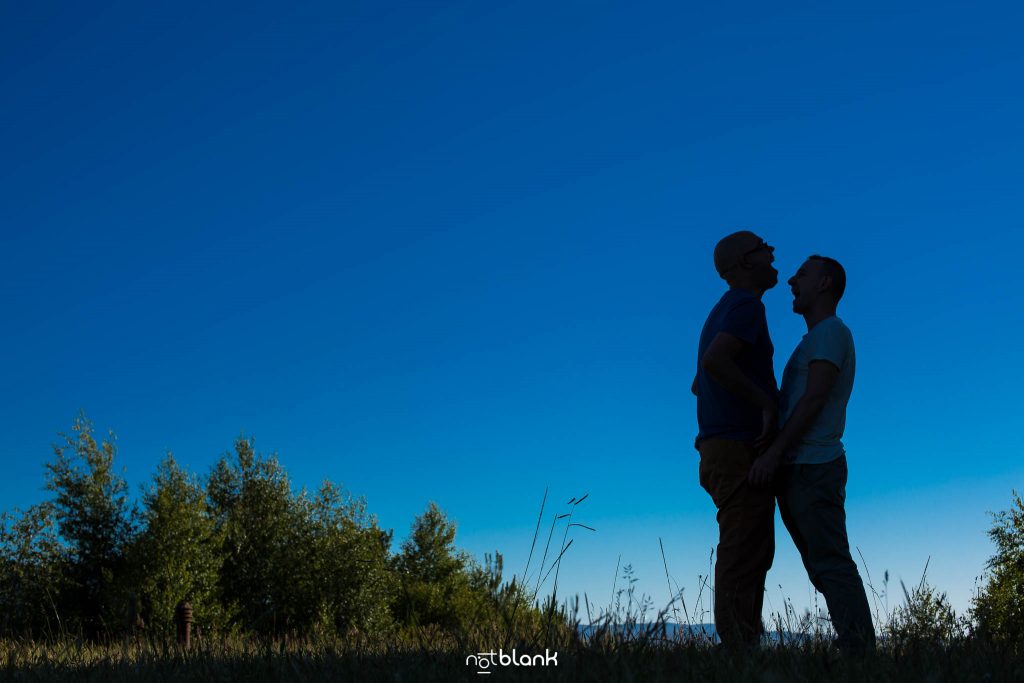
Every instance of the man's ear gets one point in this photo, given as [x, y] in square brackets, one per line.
[824, 283]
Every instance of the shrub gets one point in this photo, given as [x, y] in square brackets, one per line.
[925, 619]
[998, 608]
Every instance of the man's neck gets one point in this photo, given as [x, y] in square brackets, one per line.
[814, 317]
[749, 288]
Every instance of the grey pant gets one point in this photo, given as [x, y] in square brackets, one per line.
[811, 501]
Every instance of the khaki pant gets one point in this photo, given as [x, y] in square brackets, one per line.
[746, 539]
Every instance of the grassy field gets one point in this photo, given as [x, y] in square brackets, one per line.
[920, 640]
[427, 655]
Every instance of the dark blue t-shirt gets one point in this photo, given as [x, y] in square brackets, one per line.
[721, 413]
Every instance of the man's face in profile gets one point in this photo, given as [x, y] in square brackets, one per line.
[759, 257]
[805, 285]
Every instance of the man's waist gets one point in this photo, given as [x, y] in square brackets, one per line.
[806, 453]
[727, 432]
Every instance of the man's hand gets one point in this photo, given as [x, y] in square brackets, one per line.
[763, 469]
[821, 377]
[769, 428]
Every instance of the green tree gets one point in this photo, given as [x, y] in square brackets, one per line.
[178, 554]
[266, 558]
[349, 569]
[93, 516]
[293, 562]
[998, 608]
[32, 566]
[439, 583]
[429, 554]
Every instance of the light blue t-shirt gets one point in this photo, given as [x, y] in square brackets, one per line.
[829, 340]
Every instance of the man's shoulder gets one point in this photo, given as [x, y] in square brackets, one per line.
[739, 313]
[739, 299]
[833, 327]
[830, 339]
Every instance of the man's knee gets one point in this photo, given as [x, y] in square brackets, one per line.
[835, 570]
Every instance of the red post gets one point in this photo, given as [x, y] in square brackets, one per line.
[183, 619]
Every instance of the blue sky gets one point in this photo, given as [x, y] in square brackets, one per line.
[462, 253]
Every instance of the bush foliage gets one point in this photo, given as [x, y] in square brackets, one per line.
[998, 607]
[251, 555]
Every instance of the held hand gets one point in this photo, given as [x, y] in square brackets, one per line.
[763, 469]
[769, 428]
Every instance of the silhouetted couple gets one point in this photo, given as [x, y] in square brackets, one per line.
[759, 444]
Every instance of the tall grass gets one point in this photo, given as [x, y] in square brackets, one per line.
[611, 655]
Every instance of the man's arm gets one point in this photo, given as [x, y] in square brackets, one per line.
[821, 378]
[719, 361]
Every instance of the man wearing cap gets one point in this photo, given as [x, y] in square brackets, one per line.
[737, 416]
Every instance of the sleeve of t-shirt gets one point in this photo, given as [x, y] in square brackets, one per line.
[745, 321]
[831, 343]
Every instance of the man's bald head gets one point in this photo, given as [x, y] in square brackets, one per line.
[730, 250]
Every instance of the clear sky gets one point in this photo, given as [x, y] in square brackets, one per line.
[461, 252]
